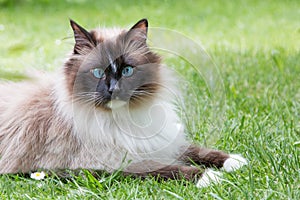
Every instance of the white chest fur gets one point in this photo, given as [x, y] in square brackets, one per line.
[151, 132]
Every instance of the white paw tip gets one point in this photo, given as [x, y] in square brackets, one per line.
[234, 162]
[208, 177]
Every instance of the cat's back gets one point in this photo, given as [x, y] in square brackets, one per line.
[30, 127]
[15, 96]
[25, 102]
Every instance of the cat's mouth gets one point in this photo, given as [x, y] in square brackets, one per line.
[115, 104]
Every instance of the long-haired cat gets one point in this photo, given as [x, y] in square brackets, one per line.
[110, 108]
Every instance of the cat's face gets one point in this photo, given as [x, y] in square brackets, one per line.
[112, 69]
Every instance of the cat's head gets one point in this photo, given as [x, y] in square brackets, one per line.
[110, 66]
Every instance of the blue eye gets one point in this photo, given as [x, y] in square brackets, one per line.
[127, 71]
[98, 72]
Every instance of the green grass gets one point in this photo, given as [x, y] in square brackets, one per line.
[256, 46]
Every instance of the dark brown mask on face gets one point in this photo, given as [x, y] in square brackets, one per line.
[120, 68]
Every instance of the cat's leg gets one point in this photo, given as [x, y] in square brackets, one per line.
[162, 171]
[204, 177]
[212, 158]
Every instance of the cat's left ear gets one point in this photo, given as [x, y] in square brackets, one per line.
[83, 39]
[139, 30]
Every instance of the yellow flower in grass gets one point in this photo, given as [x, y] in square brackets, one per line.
[38, 175]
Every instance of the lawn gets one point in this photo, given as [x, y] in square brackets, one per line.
[254, 48]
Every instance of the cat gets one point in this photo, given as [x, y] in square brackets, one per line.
[111, 107]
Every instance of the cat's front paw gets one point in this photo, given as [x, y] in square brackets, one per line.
[234, 162]
[209, 177]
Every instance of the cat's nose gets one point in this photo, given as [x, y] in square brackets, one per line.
[113, 87]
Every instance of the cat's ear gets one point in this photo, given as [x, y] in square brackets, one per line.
[83, 39]
[142, 25]
[139, 31]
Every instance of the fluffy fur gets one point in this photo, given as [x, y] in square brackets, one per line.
[71, 120]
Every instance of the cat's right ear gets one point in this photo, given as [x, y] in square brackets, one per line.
[84, 42]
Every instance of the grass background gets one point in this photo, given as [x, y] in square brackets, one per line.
[255, 45]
